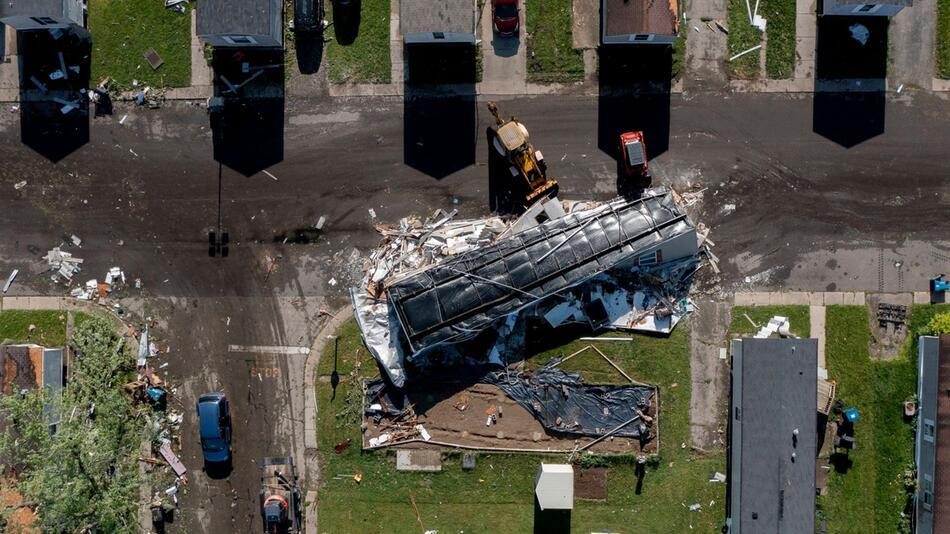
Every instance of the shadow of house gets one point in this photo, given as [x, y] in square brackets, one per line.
[851, 66]
[634, 96]
[636, 62]
[439, 102]
[308, 35]
[247, 106]
[53, 64]
[346, 21]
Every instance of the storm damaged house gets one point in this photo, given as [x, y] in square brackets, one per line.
[623, 265]
[27, 367]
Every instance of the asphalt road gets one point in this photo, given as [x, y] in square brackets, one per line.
[809, 214]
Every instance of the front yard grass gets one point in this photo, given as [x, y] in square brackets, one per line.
[502, 485]
[743, 36]
[122, 30]
[50, 330]
[780, 48]
[780, 28]
[363, 57]
[798, 316]
[870, 496]
[551, 54]
[943, 39]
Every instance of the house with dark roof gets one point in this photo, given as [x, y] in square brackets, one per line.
[626, 22]
[932, 451]
[773, 439]
[26, 367]
[858, 8]
[241, 23]
[438, 21]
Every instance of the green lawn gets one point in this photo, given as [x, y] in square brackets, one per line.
[551, 53]
[943, 39]
[50, 330]
[743, 36]
[797, 315]
[869, 497]
[500, 490]
[122, 30]
[780, 49]
[365, 57]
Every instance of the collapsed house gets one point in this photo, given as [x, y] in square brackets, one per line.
[477, 294]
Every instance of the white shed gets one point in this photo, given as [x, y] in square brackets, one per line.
[554, 487]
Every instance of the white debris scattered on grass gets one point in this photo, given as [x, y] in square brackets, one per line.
[695, 507]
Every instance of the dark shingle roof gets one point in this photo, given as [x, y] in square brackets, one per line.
[32, 8]
[774, 386]
[425, 16]
[263, 18]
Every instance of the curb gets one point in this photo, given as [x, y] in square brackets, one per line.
[311, 461]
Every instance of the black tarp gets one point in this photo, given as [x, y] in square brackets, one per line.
[584, 409]
[550, 393]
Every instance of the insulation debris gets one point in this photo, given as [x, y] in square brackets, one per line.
[63, 265]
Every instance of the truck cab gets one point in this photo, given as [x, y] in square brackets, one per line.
[214, 425]
[633, 154]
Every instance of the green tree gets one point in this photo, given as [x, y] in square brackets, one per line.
[85, 477]
[939, 324]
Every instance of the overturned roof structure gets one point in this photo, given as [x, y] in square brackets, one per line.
[574, 260]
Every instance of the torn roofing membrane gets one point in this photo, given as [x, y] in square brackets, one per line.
[468, 292]
[574, 258]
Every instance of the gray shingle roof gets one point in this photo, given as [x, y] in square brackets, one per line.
[426, 16]
[774, 386]
[259, 18]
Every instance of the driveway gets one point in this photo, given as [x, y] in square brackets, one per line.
[503, 58]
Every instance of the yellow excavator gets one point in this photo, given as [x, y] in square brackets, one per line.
[511, 142]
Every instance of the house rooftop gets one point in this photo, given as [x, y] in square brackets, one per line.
[427, 20]
[774, 387]
[259, 20]
[32, 8]
[623, 18]
[933, 436]
[905, 3]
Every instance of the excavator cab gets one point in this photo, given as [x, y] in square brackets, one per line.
[512, 142]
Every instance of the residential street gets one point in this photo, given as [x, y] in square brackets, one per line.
[808, 215]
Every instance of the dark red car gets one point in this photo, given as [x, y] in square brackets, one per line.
[504, 14]
[634, 154]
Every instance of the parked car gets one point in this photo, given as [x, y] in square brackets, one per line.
[633, 153]
[214, 424]
[505, 19]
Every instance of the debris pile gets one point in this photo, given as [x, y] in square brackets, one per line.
[445, 297]
[624, 264]
[63, 265]
[93, 290]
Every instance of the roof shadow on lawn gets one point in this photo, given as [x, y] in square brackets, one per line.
[850, 79]
[54, 114]
[439, 114]
[634, 95]
[248, 128]
[346, 22]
